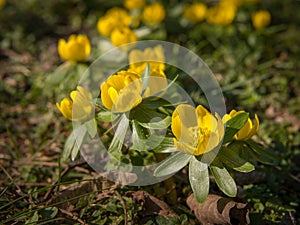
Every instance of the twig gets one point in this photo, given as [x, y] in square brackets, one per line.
[123, 205]
[19, 191]
[74, 217]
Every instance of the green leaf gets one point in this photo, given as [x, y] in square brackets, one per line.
[118, 139]
[231, 158]
[49, 212]
[260, 153]
[79, 135]
[199, 179]
[144, 114]
[106, 116]
[234, 125]
[91, 127]
[172, 164]
[138, 137]
[166, 146]
[34, 219]
[161, 124]
[145, 78]
[69, 145]
[223, 179]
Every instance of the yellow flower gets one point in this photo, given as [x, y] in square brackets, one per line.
[261, 19]
[78, 107]
[248, 130]
[134, 4]
[77, 48]
[197, 131]
[153, 14]
[122, 92]
[195, 12]
[124, 35]
[114, 18]
[138, 59]
[221, 14]
[156, 83]
[2, 2]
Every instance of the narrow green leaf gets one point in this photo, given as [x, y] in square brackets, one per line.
[118, 139]
[91, 127]
[231, 158]
[161, 124]
[145, 78]
[172, 164]
[166, 146]
[144, 114]
[70, 142]
[34, 219]
[261, 154]
[224, 181]
[79, 135]
[199, 179]
[138, 137]
[106, 116]
[234, 125]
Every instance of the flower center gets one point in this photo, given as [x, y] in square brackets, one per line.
[199, 135]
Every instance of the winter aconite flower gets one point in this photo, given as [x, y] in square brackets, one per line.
[261, 19]
[134, 4]
[123, 35]
[221, 14]
[248, 130]
[113, 18]
[138, 59]
[197, 131]
[153, 14]
[76, 49]
[78, 107]
[121, 92]
[195, 12]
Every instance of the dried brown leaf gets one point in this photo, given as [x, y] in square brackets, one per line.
[152, 205]
[219, 210]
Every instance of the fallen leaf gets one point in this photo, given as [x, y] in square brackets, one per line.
[152, 205]
[219, 210]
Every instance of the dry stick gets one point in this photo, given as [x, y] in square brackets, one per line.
[74, 217]
[20, 192]
[124, 206]
[66, 170]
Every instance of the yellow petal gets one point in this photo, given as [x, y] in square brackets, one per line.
[126, 100]
[116, 81]
[184, 147]
[65, 107]
[62, 49]
[205, 119]
[243, 133]
[106, 100]
[254, 127]
[176, 125]
[187, 115]
[187, 131]
[211, 140]
[220, 127]
[113, 94]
